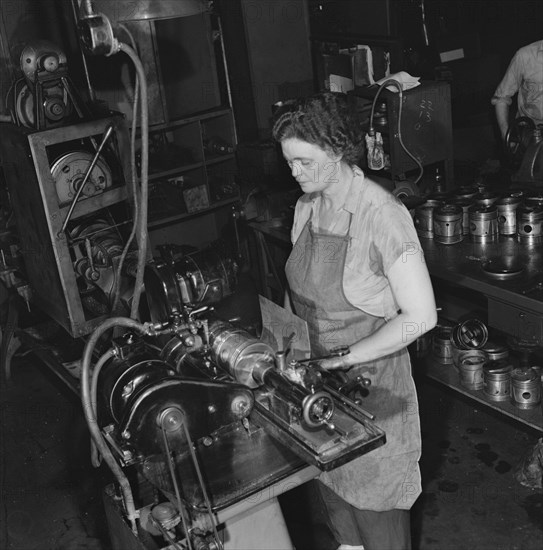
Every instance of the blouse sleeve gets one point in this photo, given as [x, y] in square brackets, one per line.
[394, 233]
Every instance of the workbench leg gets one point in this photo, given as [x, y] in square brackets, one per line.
[261, 528]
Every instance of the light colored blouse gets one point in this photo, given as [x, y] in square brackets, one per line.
[525, 76]
[380, 229]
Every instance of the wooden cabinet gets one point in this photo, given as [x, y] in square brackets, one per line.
[192, 166]
[192, 136]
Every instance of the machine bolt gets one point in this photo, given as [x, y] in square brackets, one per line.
[240, 406]
[126, 434]
[211, 409]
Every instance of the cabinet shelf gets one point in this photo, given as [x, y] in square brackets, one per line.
[447, 375]
[190, 117]
[167, 220]
[197, 117]
[188, 167]
[217, 159]
[174, 171]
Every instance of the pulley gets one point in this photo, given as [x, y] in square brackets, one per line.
[69, 170]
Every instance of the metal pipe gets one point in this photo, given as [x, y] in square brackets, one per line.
[90, 416]
[142, 214]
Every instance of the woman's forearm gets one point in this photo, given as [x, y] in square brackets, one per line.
[391, 337]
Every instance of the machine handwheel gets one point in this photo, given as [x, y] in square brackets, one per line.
[318, 409]
[517, 139]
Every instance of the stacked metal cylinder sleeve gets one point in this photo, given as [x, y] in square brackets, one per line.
[486, 366]
[481, 215]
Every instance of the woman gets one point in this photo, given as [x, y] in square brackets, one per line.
[357, 276]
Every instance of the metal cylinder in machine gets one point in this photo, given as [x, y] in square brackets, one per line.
[251, 362]
[483, 223]
[239, 353]
[507, 215]
[497, 379]
[424, 215]
[525, 388]
[530, 224]
[447, 224]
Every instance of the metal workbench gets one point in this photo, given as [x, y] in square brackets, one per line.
[510, 276]
[513, 299]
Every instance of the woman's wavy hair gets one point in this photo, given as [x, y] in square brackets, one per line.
[326, 119]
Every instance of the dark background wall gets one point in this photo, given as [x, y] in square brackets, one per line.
[267, 42]
[489, 31]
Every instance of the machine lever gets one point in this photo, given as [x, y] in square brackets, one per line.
[336, 352]
[106, 136]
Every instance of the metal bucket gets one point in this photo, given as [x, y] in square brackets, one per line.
[507, 215]
[525, 388]
[497, 379]
[530, 224]
[447, 223]
[483, 223]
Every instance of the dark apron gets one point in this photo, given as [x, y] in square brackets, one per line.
[388, 477]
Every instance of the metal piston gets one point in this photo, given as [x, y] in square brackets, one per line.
[507, 215]
[525, 388]
[497, 380]
[530, 224]
[447, 224]
[483, 223]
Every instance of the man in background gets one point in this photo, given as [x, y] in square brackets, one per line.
[525, 77]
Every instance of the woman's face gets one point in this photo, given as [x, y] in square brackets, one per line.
[314, 168]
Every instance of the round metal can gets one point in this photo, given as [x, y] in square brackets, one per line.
[483, 223]
[447, 224]
[471, 369]
[497, 379]
[530, 224]
[442, 345]
[507, 215]
[424, 218]
[464, 204]
[525, 388]
[470, 334]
